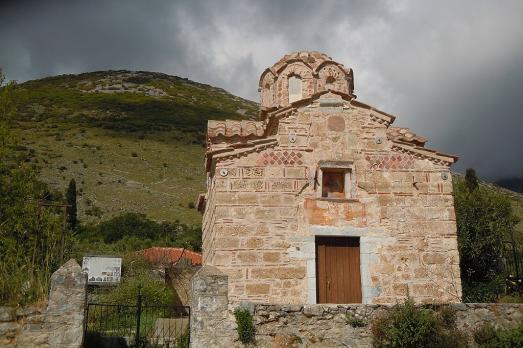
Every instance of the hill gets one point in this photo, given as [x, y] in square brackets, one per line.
[133, 141]
[512, 183]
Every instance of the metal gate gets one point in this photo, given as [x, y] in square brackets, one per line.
[136, 326]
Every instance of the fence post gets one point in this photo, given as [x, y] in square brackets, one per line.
[138, 316]
[516, 263]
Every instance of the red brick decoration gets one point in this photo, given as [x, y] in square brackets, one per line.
[392, 162]
[280, 158]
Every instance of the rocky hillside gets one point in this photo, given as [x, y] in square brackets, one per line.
[133, 141]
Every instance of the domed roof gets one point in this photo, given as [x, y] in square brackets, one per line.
[316, 72]
[312, 58]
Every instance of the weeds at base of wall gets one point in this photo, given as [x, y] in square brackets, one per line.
[355, 321]
[245, 325]
[489, 336]
[183, 340]
[407, 325]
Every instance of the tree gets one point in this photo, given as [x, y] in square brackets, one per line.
[29, 235]
[6, 112]
[484, 217]
[71, 201]
[471, 179]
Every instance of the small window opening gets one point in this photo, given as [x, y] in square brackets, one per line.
[295, 92]
[268, 93]
[333, 183]
[329, 82]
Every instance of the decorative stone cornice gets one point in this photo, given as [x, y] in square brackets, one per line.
[424, 153]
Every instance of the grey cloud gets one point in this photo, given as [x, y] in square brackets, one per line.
[451, 71]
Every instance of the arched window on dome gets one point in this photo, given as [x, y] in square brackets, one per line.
[268, 94]
[295, 89]
[329, 82]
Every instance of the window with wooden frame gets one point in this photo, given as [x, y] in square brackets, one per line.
[335, 179]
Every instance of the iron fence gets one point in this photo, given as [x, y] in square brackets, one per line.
[513, 262]
[137, 326]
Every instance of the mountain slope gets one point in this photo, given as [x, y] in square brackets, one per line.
[133, 141]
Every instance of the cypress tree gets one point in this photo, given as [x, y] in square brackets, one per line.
[471, 179]
[71, 201]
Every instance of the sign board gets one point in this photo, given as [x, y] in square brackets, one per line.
[102, 269]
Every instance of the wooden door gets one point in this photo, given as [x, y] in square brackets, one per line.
[338, 277]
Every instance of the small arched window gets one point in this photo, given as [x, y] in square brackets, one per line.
[268, 93]
[329, 82]
[295, 92]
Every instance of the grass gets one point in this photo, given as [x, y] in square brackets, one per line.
[128, 151]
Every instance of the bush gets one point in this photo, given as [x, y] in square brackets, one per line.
[183, 340]
[482, 292]
[132, 231]
[483, 217]
[488, 336]
[245, 329]
[407, 325]
[355, 321]
[137, 276]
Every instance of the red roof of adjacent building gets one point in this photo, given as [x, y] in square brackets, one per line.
[170, 255]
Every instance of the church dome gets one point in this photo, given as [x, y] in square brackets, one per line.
[299, 75]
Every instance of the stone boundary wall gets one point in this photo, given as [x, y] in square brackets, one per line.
[327, 325]
[213, 323]
[60, 325]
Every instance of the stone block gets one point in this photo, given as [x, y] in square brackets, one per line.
[257, 289]
[278, 273]
[271, 257]
[295, 172]
[253, 243]
[248, 257]
[434, 258]
[336, 123]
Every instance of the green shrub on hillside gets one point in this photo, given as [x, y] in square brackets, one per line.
[132, 231]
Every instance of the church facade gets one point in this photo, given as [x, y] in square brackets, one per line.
[322, 200]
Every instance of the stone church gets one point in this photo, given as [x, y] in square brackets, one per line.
[322, 200]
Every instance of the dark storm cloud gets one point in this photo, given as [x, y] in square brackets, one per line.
[452, 71]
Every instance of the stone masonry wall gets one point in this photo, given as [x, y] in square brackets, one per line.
[327, 326]
[264, 210]
[59, 325]
[213, 323]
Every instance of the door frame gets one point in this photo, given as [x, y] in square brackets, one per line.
[337, 241]
[368, 248]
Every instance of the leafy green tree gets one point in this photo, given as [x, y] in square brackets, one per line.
[71, 202]
[484, 218]
[29, 234]
[133, 231]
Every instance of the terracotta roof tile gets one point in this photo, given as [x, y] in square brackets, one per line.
[230, 128]
[405, 135]
[170, 255]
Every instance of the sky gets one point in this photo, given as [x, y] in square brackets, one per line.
[449, 70]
